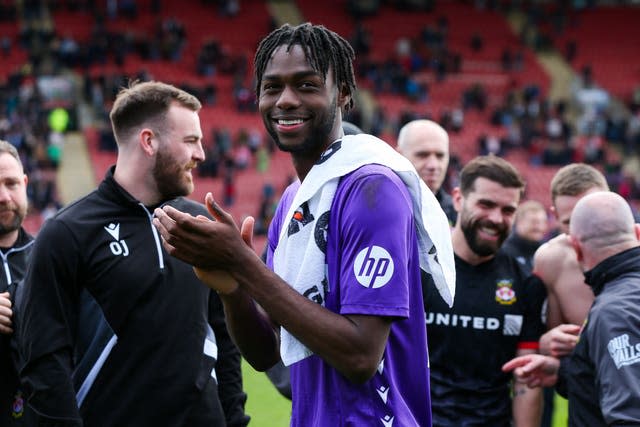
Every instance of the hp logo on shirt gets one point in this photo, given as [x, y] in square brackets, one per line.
[373, 267]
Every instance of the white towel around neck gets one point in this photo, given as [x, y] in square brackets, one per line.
[301, 262]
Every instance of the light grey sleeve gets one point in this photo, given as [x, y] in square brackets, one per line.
[614, 348]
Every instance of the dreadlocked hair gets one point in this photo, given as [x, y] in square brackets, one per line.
[323, 49]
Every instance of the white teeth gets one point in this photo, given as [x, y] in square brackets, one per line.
[489, 231]
[290, 122]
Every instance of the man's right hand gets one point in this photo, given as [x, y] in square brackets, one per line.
[6, 325]
[560, 341]
[535, 370]
[204, 243]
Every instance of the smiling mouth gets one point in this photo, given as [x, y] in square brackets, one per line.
[291, 122]
[492, 232]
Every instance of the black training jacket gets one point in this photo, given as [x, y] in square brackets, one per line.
[603, 373]
[116, 332]
[14, 265]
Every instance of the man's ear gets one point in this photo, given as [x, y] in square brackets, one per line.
[147, 141]
[637, 230]
[345, 98]
[457, 197]
[576, 247]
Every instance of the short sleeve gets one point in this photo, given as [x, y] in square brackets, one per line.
[276, 225]
[375, 231]
[534, 325]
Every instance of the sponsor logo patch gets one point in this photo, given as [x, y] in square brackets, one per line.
[118, 247]
[623, 352]
[387, 420]
[512, 324]
[373, 267]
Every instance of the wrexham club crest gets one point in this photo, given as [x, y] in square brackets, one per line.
[505, 294]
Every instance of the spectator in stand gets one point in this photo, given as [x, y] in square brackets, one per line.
[211, 165]
[229, 8]
[555, 127]
[359, 9]
[267, 210]
[242, 154]
[506, 59]
[23, 123]
[223, 141]
[5, 46]
[474, 97]
[229, 185]
[529, 232]
[477, 42]
[244, 99]
[490, 145]
[361, 39]
[426, 145]
[457, 119]
[209, 56]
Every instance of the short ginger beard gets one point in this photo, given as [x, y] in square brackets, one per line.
[168, 176]
[19, 213]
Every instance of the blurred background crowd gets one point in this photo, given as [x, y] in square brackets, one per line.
[541, 83]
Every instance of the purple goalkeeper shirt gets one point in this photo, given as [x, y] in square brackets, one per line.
[373, 269]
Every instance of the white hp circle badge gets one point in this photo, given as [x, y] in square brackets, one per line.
[373, 267]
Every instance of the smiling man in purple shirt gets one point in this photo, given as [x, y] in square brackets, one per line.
[351, 317]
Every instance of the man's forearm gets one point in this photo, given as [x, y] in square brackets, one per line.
[527, 405]
[352, 344]
[251, 330]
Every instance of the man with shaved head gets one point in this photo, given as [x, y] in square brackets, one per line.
[601, 377]
[426, 145]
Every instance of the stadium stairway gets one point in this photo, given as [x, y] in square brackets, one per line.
[563, 74]
[284, 11]
[74, 177]
[75, 173]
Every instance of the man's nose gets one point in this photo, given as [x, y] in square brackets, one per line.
[288, 99]
[5, 194]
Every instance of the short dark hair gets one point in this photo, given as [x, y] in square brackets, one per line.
[146, 102]
[323, 49]
[493, 168]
